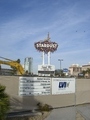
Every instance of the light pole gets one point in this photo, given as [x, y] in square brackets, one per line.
[60, 60]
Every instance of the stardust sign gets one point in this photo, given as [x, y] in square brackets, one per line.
[52, 45]
[46, 46]
[63, 85]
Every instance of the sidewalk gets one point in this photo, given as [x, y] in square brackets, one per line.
[81, 112]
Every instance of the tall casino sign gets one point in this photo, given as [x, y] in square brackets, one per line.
[46, 47]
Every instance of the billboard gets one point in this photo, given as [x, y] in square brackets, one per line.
[63, 85]
[65, 70]
[31, 86]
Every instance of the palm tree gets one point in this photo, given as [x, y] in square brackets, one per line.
[4, 103]
[88, 71]
[84, 72]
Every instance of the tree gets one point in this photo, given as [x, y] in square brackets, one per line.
[4, 102]
[84, 72]
[59, 72]
[88, 71]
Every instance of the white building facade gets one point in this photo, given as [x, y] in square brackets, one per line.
[75, 69]
[28, 65]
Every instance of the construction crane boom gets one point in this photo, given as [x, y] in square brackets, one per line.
[6, 58]
[13, 64]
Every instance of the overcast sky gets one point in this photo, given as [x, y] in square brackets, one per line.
[24, 22]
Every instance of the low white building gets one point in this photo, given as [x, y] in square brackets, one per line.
[86, 66]
[75, 69]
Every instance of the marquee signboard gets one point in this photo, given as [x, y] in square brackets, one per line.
[46, 46]
[46, 68]
[63, 85]
[32, 86]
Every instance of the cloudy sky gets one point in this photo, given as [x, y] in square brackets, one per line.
[24, 22]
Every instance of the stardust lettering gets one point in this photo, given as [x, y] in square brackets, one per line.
[46, 45]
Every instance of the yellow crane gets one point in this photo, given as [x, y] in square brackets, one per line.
[13, 64]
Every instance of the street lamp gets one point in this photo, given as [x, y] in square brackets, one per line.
[60, 60]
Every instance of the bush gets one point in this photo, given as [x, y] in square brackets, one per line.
[4, 102]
